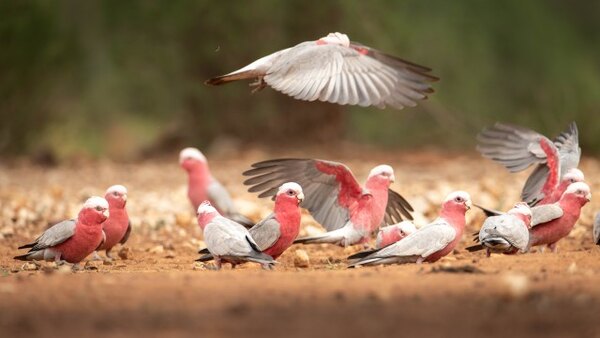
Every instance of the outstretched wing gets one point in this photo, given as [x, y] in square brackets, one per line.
[355, 75]
[55, 235]
[568, 146]
[330, 188]
[397, 208]
[266, 232]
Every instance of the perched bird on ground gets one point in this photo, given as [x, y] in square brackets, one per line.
[229, 241]
[427, 244]
[276, 232]
[117, 227]
[596, 229]
[336, 70]
[71, 240]
[350, 213]
[203, 186]
[393, 233]
[507, 233]
[517, 148]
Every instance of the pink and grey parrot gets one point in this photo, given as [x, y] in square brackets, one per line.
[203, 186]
[336, 70]
[350, 213]
[277, 232]
[393, 233]
[517, 148]
[117, 227]
[229, 241]
[71, 240]
[427, 244]
[507, 233]
[596, 229]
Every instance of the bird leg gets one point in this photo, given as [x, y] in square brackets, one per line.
[268, 267]
[77, 267]
[553, 247]
[488, 253]
[58, 261]
[96, 256]
[109, 256]
[258, 85]
[420, 260]
[217, 263]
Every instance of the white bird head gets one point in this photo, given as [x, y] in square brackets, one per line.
[336, 39]
[291, 189]
[407, 227]
[191, 154]
[579, 189]
[383, 170]
[521, 208]
[98, 204]
[573, 175]
[460, 197]
[205, 208]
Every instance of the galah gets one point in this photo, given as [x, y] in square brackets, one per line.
[203, 186]
[393, 233]
[596, 229]
[229, 241]
[517, 148]
[71, 240]
[552, 222]
[277, 232]
[507, 233]
[336, 70]
[427, 244]
[350, 213]
[117, 227]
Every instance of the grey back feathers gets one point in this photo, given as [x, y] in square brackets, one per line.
[266, 232]
[545, 213]
[53, 236]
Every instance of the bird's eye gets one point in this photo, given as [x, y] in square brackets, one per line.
[458, 199]
[98, 208]
[115, 193]
[290, 192]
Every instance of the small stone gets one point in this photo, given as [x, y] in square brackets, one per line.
[107, 262]
[183, 219]
[572, 268]
[198, 266]
[301, 259]
[170, 255]
[30, 266]
[157, 249]
[124, 253]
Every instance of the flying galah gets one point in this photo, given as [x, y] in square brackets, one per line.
[507, 233]
[596, 229]
[517, 148]
[350, 213]
[393, 233]
[276, 232]
[203, 186]
[229, 241]
[71, 240]
[552, 222]
[117, 227]
[427, 244]
[336, 70]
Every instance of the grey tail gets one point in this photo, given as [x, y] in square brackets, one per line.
[205, 258]
[475, 248]
[362, 254]
[219, 80]
[262, 258]
[489, 212]
[27, 246]
[24, 257]
[324, 238]
[204, 251]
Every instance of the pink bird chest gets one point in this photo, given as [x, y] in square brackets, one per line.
[85, 240]
[555, 230]
[198, 183]
[289, 228]
[368, 213]
[115, 227]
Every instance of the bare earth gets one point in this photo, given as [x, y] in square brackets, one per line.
[159, 291]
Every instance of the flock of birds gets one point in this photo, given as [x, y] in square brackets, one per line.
[335, 70]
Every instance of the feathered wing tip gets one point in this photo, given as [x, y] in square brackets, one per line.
[223, 79]
[362, 254]
[474, 248]
[205, 258]
[488, 212]
[203, 251]
[241, 219]
[24, 257]
[27, 246]
[319, 239]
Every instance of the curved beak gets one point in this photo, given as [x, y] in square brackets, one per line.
[588, 196]
[300, 197]
[124, 197]
[105, 213]
[468, 204]
[392, 178]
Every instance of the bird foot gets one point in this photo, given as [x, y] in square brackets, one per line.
[96, 256]
[212, 267]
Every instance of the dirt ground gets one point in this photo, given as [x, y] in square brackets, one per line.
[159, 290]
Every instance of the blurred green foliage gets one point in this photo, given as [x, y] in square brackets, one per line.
[100, 76]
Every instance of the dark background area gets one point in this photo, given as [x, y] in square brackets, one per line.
[125, 78]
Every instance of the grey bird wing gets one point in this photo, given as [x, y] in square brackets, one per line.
[266, 232]
[55, 235]
[596, 229]
[424, 242]
[127, 233]
[545, 213]
[343, 75]
[507, 226]
[224, 237]
[219, 196]
[397, 209]
[568, 147]
[323, 183]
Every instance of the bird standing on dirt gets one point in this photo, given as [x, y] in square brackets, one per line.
[229, 241]
[427, 244]
[393, 233]
[350, 213]
[117, 227]
[507, 233]
[517, 148]
[71, 240]
[277, 232]
[202, 186]
[336, 70]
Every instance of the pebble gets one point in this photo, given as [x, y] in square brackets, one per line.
[301, 259]
[125, 253]
[157, 249]
[30, 266]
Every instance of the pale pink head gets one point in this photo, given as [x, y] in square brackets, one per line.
[406, 228]
[457, 202]
[572, 176]
[382, 175]
[192, 159]
[335, 39]
[94, 211]
[578, 192]
[206, 213]
[290, 192]
[522, 211]
[116, 196]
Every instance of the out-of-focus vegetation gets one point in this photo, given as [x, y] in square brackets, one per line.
[114, 77]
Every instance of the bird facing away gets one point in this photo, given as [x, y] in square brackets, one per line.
[351, 213]
[202, 186]
[393, 233]
[429, 243]
[336, 70]
[517, 148]
[117, 227]
[71, 240]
